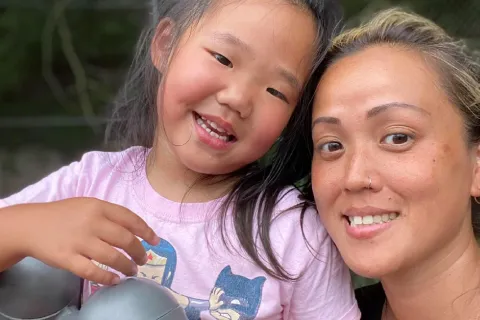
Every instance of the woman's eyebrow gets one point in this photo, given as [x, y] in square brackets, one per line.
[373, 112]
[387, 106]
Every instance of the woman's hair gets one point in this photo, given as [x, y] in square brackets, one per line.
[257, 186]
[458, 70]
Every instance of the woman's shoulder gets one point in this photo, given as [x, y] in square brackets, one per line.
[371, 300]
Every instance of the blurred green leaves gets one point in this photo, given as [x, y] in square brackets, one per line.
[42, 54]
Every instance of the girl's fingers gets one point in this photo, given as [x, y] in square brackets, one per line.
[105, 254]
[132, 222]
[86, 269]
[119, 237]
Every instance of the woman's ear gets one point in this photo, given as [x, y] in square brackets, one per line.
[162, 44]
[475, 188]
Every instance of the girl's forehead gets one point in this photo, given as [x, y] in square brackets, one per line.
[273, 22]
[222, 12]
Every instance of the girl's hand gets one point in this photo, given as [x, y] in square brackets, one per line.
[69, 234]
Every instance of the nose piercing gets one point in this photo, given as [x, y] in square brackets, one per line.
[369, 183]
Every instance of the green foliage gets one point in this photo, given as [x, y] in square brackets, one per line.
[103, 42]
[20, 36]
[460, 18]
[64, 62]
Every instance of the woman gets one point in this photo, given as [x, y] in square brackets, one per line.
[396, 131]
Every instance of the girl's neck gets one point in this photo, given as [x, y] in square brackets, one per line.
[172, 180]
[446, 286]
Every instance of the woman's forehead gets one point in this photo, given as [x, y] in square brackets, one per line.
[381, 75]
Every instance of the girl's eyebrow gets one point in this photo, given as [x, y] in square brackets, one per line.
[289, 77]
[233, 40]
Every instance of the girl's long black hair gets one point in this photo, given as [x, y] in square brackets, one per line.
[253, 198]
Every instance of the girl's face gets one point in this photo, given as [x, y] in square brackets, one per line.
[391, 156]
[233, 83]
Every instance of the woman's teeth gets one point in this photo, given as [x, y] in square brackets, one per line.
[369, 220]
[213, 129]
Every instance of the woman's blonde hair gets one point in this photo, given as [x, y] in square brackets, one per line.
[459, 71]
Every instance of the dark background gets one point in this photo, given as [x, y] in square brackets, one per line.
[61, 61]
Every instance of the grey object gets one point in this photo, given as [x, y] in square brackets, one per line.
[133, 298]
[32, 290]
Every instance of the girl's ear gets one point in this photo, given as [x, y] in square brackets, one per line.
[475, 188]
[162, 44]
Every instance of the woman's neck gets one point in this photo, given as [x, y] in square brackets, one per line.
[447, 286]
[172, 180]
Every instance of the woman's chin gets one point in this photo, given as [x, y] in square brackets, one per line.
[373, 268]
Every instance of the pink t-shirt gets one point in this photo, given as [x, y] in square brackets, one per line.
[191, 259]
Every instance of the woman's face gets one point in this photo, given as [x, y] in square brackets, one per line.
[391, 156]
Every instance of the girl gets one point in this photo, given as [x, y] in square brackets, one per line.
[397, 166]
[215, 84]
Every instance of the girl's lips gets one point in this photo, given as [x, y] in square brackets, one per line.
[210, 137]
[220, 123]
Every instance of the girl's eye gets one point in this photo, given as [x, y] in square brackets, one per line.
[277, 94]
[397, 139]
[223, 60]
[330, 147]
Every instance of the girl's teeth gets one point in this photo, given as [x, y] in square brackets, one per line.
[201, 123]
[369, 220]
[204, 126]
[215, 126]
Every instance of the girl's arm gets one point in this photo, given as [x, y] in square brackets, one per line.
[11, 225]
[61, 184]
[13, 222]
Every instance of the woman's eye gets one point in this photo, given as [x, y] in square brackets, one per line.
[397, 138]
[277, 94]
[330, 147]
[223, 60]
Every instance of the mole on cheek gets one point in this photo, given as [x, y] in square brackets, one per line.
[446, 149]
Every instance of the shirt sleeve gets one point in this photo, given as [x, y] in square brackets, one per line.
[59, 185]
[324, 289]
